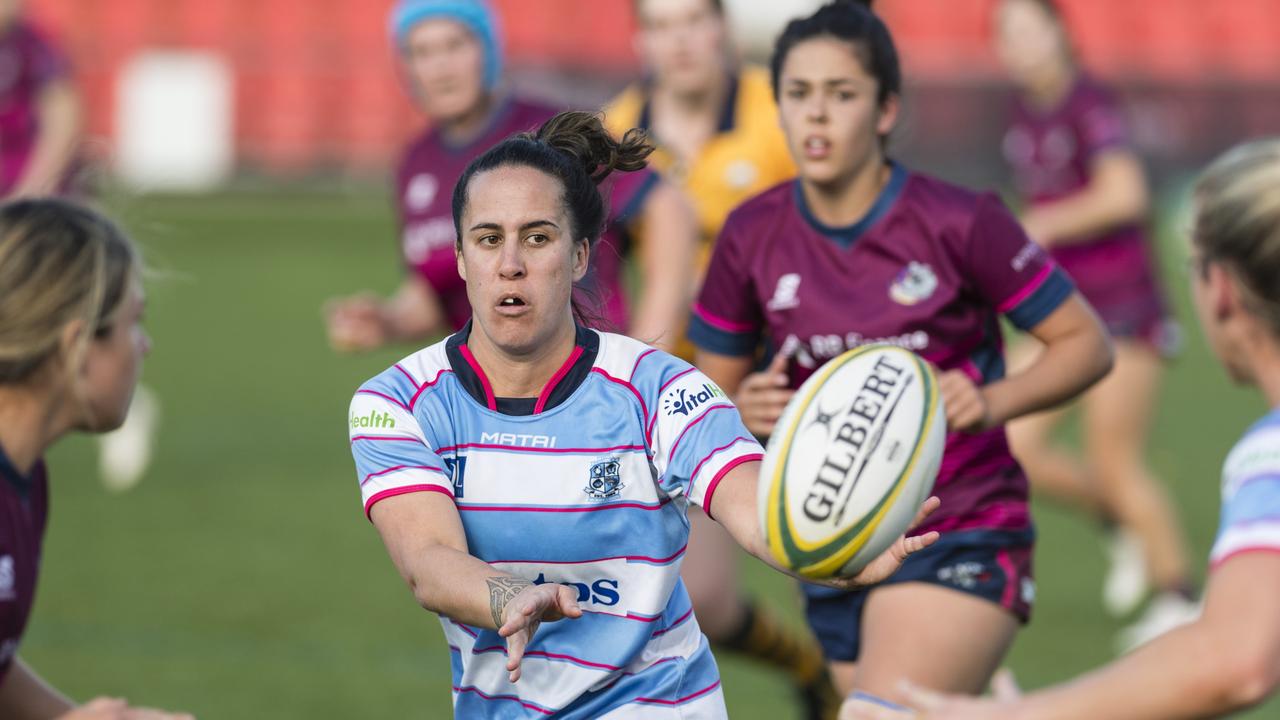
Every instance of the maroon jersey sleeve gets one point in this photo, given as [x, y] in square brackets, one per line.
[1010, 271]
[726, 318]
[1100, 123]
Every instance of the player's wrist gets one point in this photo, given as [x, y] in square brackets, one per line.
[502, 590]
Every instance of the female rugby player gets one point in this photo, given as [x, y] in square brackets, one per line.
[451, 60]
[1229, 658]
[530, 477]
[71, 347]
[1087, 200]
[860, 249]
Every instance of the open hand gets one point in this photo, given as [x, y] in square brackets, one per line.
[356, 323]
[526, 611]
[890, 560]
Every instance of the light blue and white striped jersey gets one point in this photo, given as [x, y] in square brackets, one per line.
[1251, 493]
[587, 485]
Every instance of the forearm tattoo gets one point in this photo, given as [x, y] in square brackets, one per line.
[501, 590]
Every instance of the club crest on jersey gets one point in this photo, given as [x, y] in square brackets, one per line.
[914, 284]
[784, 294]
[605, 480]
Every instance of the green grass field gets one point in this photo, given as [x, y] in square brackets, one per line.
[241, 580]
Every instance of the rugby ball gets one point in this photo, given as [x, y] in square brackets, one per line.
[850, 461]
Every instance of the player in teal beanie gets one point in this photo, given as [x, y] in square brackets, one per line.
[476, 15]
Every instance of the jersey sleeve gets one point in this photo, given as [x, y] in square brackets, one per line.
[1250, 498]
[697, 435]
[391, 452]
[726, 318]
[48, 63]
[1100, 124]
[1009, 270]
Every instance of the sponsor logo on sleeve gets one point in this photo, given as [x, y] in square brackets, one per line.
[373, 419]
[604, 479]
[683, 400]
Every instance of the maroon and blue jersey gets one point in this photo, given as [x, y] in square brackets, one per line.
[1052, 154]
[424, 185]
[930, 268]
[28, 64]
[23, 508]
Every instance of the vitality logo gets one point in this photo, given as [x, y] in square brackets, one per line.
[683, 402]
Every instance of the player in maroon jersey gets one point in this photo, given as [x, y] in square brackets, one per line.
[1086, 202]
[860, 249]
[71, 346]
[451, 61]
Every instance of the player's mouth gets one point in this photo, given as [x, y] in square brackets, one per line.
[512, 305]
[817, 148]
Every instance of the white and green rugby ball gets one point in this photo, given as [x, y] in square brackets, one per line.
[852, 458]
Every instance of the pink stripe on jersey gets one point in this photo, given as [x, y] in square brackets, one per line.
[711, 489]
[513, 698]
[676, 445]
[1017, 298]
[680, 701]
[385, 438]
[406, 374]
[1217, 563]
[508, 448]
[629, 616]
[545, 509]
[648, 432]
[644, 409]
[722, 323]
[679, 621]
[379, 497]
[423, 388]
[555, 379]
[550, 656]
[697, 468]
[388, 398]
[479, 371]
[370, 476]
[628, 558]
[642, 356]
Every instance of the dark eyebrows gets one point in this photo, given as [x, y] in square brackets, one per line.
[523, 228]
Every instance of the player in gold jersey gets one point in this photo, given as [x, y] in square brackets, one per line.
[716, 127]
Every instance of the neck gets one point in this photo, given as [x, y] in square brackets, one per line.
[29, 425]
[466, 127]
[844, 202]
[1265, 361]
[1049, 89]
[521, 374]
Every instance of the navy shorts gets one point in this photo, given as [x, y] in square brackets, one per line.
[994, 565]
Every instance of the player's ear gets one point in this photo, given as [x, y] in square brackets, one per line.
[581, 257]
[462, 265]
[888, 118]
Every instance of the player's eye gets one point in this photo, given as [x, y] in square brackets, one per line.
[845, 95]
[537, 239]
[796, 93]
[488, 240]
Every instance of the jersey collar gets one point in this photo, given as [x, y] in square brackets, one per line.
[22, 483]
[728, 111]
[586, 345]
[845, 236]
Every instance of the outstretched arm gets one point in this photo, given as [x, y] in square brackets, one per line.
[424, 536]
[734, 507]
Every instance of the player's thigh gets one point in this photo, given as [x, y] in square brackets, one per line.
[932, 635]
[710, 565]
[1118, 411]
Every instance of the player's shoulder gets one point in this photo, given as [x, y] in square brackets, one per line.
[629, 361]
[1256, 454]
[762, 209]
[405, 381]
[946, 205]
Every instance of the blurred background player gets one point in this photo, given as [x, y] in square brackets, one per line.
[1229, 658]
[1086, 202]
[715, 126]
[450, 55]
[40, 135]
[859, 249]
[71, 348]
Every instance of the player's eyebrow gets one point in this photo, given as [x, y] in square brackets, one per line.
[527, 226]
